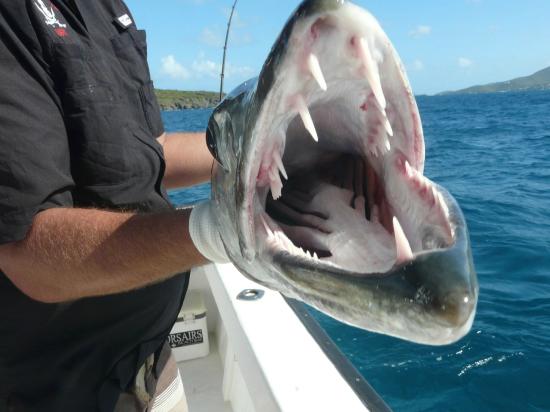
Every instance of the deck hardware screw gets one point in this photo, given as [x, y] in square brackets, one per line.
[251, 294]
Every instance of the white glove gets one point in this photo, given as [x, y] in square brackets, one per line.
[205, 234]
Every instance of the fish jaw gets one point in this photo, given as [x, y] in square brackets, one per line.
[333, 87]
[430, 299]
[347, 44]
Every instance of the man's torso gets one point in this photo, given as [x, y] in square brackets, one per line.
[92, 60]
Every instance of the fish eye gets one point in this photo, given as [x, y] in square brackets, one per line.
[211, 142]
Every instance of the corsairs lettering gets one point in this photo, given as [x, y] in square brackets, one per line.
[192, 337]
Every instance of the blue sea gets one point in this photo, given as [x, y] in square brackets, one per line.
[493, 153]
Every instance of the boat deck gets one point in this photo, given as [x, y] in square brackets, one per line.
[203, 382]
[262, 356]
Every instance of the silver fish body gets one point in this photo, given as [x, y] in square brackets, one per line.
[356, 230]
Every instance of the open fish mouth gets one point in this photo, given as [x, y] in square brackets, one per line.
[320, 190]
[338, 177]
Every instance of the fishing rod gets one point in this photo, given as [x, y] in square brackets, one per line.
[225, 48]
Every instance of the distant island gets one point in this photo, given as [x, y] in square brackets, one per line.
[179, 100]
[538, 81]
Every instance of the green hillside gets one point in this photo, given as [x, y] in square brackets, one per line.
[538, 81]
[178, 100]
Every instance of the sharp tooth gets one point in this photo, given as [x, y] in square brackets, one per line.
[281, 239]
[275, 184]
[274, 173]
[287, 242]
[387, 144]
[275, 191]
[381, 142]
[373, 75]
[403, 248]
[438, 203]
[279, 163]
[443, 204]
[434, 194]
[423, 183]
[408, 169]
[316, 72]
[315, 256]
[306, 118]
[388, 127]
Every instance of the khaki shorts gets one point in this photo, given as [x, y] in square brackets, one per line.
[164, 394]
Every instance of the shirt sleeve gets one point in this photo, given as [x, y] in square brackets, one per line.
[35, 169]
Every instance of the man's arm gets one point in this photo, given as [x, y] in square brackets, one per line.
[75, 253]
[70, 253]
[188, 160]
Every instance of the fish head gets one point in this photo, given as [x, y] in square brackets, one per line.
[356, 230]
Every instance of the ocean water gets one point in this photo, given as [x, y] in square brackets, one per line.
[493, 153]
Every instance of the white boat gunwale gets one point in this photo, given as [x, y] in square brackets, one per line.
[272, 354]
[364, 391]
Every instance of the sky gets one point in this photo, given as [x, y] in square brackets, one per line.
[445, 45]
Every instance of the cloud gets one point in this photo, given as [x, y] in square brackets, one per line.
[240, 71]
[211, 38]
[420, 31]
[200, 68]
[205, 67]
[465, 63]
[173, 69]
[236, 22]
[215, 37]
[417, 65]
[244, 38]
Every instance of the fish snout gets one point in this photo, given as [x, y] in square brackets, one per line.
[447, 287]
[456, 307]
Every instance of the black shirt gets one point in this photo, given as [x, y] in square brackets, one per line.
[78, 121]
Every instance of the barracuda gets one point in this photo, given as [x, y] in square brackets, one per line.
[356, 230]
